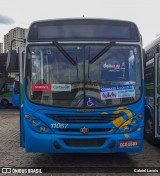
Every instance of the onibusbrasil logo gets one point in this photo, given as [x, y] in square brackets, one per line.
[21, 171]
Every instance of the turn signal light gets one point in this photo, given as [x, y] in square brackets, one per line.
[27, 116]
[140, 115]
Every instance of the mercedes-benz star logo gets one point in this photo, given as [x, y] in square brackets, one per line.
[84, 130]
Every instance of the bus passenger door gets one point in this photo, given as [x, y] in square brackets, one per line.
[157, 96]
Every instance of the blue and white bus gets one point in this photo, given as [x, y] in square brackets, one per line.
[82, 87]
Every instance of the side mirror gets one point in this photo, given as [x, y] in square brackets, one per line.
[11, 61]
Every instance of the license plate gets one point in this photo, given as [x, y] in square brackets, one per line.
[128, 143]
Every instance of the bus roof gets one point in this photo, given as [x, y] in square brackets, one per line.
[83, 29]
[152, 44]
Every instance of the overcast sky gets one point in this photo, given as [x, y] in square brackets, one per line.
[20, 13]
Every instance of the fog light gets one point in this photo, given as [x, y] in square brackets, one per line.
[33, 122]
[42, 128]
[134, 121]
[126, 128]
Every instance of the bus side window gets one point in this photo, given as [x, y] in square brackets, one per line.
[16, 89]
[5, 88]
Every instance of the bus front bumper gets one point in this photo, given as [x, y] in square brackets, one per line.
[52, 143]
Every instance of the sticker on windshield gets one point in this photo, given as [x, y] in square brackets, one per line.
[90, 101]
[51, 87]
[113, 92]
[41, 87]
[61, 87]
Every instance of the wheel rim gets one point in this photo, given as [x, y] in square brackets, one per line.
[4, 102]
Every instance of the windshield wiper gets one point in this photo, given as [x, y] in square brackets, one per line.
[65, 54]
[103, 51]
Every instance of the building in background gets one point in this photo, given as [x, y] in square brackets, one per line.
[1, 47]
[18, 34]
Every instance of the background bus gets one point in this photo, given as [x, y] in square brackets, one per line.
[6, 85]
[81, 87]
[16, 93]
[152, 91]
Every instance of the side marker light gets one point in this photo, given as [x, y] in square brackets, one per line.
[27, 116]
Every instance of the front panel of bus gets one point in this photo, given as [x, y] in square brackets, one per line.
[83, 96]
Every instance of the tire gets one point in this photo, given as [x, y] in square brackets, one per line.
[4, 102]
[149, 131]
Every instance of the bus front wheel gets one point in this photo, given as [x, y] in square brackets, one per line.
[5, 102]
[149, 131]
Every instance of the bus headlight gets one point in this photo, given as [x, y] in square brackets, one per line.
[33, 122]
[126, 128]
[42, 128]
[135, 121]
[39, 127]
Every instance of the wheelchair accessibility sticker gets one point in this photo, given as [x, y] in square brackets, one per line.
[112, 92]
[90, 101]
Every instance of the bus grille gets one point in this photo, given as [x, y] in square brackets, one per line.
[83, 119]
[84, 142]
[90, 130]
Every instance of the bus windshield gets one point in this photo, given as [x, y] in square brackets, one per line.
[82, 75]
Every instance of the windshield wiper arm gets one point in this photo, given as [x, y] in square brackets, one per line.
[103, 51]
[61, 49]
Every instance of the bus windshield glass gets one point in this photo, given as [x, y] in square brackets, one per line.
[83, 75]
